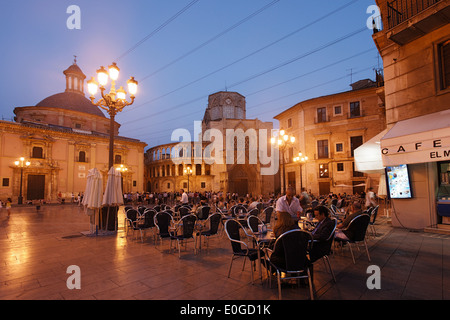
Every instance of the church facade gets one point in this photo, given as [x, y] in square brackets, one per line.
[61, 138]
[226, 156]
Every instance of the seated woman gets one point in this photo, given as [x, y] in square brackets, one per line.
[284, 223]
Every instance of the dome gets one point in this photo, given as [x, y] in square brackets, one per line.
[71, 101]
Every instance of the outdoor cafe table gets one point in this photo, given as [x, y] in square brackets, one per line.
[262, 238]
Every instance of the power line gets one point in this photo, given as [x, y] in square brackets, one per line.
[245, 57]
[151, 34]
[322, 47]
[211, 39]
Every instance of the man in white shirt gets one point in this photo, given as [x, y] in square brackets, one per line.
[289, 204]
[184, 197]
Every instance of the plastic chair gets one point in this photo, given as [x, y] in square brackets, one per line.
[187, 225]
[146, 221]
[162, 221]
[239, 247]
[214, 222]
[356, 233]
[294, 246]
[253, 222]
[267, 214]
[203, 212]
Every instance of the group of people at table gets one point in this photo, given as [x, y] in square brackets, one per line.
[290, 214]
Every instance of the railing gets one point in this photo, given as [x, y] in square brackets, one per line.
[402, 10]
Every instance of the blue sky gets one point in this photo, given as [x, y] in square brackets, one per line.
[290, 51]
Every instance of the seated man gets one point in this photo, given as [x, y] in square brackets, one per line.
[321, 233]
[356, 211]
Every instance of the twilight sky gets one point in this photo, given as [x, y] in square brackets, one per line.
[274, 52]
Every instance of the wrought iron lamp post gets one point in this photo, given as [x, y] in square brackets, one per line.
[21, 163]
[284, 141]
[114, 101]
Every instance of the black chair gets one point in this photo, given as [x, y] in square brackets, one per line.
[162, 221]
[213, 221]
[187, 226]
[293, 245]
[239, 247]
[373, 217]
[157, 208]
[267, 214]
[141, 209]
[131, 215]
[253, 222]
[146, 221]
[203, 212]
[184, 211]
[253, 212]
[326, 250]
[356, 233]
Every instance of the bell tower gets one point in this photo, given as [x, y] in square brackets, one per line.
[74, 78]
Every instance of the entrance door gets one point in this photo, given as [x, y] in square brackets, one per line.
[241, 187]
[36, 187]
[324, 188]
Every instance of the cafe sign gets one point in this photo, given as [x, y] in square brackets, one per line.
[417, 148]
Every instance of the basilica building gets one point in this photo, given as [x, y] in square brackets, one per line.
[60, 139]
[225, 157]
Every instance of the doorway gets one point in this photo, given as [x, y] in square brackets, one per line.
[36, 187]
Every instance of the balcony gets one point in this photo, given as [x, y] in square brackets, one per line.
[411, 19]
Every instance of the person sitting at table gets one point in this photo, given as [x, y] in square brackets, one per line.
[355, 211]
[284, 223]
[321, 233]
[290, 204]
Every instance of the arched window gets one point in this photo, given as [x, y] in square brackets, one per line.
[37, 152]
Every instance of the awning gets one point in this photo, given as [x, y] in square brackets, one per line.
[368, 155]
[418, 140]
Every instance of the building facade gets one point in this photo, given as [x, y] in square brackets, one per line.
[62, 137]
[414, 44]
[327, 130]
[223, 156]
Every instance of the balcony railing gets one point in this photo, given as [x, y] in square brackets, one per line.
[402, 10]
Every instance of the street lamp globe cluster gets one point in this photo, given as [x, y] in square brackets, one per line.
[21, 163]
[114, 101]
[188, 172]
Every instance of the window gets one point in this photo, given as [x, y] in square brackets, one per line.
[203, 185]
[322, 149]
[444, 64]
[77, 126]
[37, 153]
[134, 183]
[289, 123]
[117, 159]
[355, 142]
[184, 185]
[323, 170]
[5, 182]
[82, 156]
[321, 114]
[198, 169]
[337, 110]
[339, 147]
[355, 110]
[168, 185]
[340, 167]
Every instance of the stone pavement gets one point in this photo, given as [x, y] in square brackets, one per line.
[36, 248]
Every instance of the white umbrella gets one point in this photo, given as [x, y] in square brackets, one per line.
[92, 199]
[113, 193]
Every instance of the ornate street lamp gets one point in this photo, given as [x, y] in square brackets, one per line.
[114, 101]
[283, 142]
[188, 172]
[21, 163]
[301, 160]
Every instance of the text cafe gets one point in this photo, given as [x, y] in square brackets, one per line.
[416, 155]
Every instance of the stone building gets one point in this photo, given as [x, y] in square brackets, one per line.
[327, 130]
[414, 44]
[63, 136]
[231, 166]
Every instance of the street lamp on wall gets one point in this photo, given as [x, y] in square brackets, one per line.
[283, 141]
[114, 101]
[21, 163]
